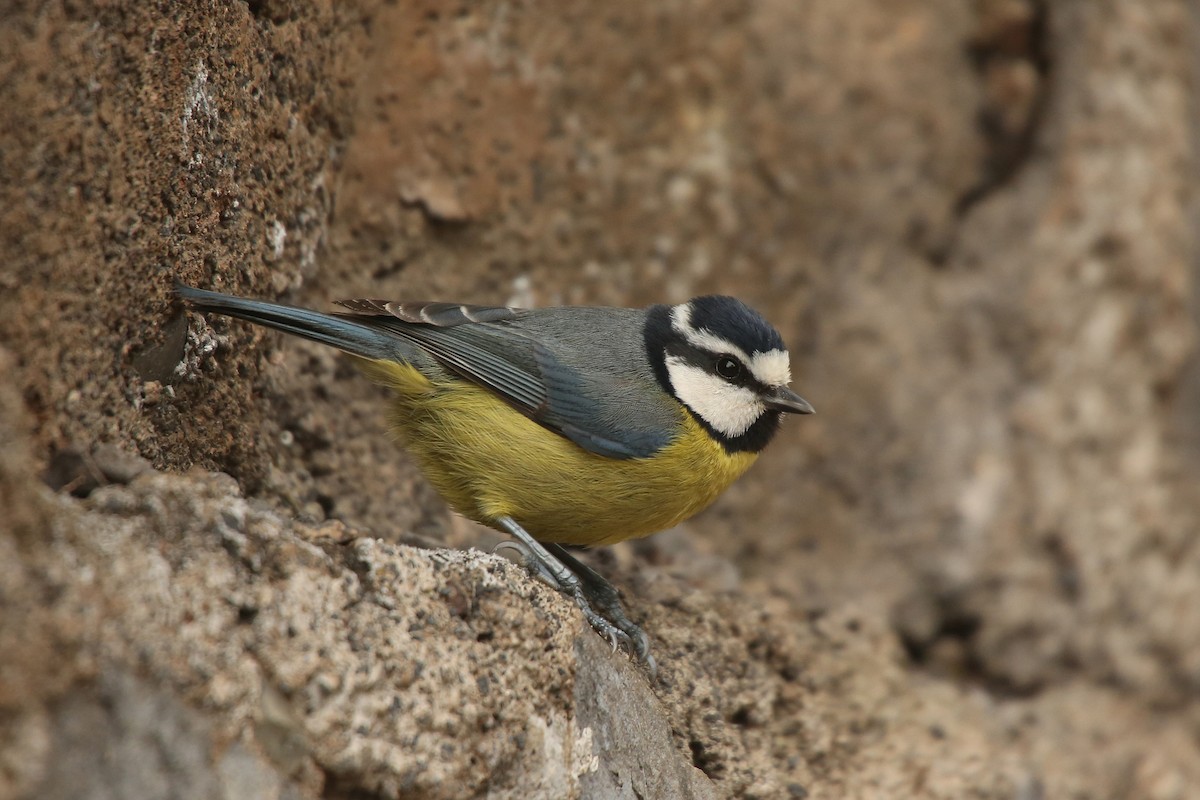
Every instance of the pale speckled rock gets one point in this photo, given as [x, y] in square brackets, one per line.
[283, 662]
[274, 657]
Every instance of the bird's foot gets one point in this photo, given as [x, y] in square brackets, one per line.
[593, 594]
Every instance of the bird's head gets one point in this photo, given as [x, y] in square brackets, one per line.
[727, 364]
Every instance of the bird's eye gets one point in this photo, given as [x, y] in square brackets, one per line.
[728, 367]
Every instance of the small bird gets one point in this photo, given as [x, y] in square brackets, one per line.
[561, 426]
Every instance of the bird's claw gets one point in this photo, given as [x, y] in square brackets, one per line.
[595, 596]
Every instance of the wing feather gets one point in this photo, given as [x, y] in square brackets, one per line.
[487, 346]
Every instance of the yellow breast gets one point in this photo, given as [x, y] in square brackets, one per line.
[488, 460]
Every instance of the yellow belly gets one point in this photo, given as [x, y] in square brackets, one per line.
[488, 460]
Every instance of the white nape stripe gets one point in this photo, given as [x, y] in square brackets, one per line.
[771, 368]
[729, 409]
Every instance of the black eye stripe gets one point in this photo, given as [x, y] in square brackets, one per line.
[707, 361]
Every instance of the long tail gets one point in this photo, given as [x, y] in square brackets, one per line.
[347, 335]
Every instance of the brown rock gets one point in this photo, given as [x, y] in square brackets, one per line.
[974, 573]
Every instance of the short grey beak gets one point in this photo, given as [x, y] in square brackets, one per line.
[785, 400]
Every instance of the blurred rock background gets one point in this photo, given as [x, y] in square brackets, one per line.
[975, 572]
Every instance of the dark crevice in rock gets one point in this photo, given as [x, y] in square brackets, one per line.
[1011, 54]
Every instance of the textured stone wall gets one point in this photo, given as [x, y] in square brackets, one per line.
[975, 572]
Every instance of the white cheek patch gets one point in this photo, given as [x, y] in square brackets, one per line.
[729, 409]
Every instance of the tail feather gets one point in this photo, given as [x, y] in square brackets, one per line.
[346, 335]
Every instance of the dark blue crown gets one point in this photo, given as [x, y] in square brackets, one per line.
[734, 321]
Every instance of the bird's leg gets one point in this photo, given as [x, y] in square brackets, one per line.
[549, 567]
[530, 562]
[585, 586]
[605, 597]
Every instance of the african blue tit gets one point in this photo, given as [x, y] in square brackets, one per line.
[564, 426]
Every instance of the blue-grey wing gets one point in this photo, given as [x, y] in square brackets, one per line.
[579, 372]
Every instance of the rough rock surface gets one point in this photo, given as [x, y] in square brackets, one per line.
[975, 573]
